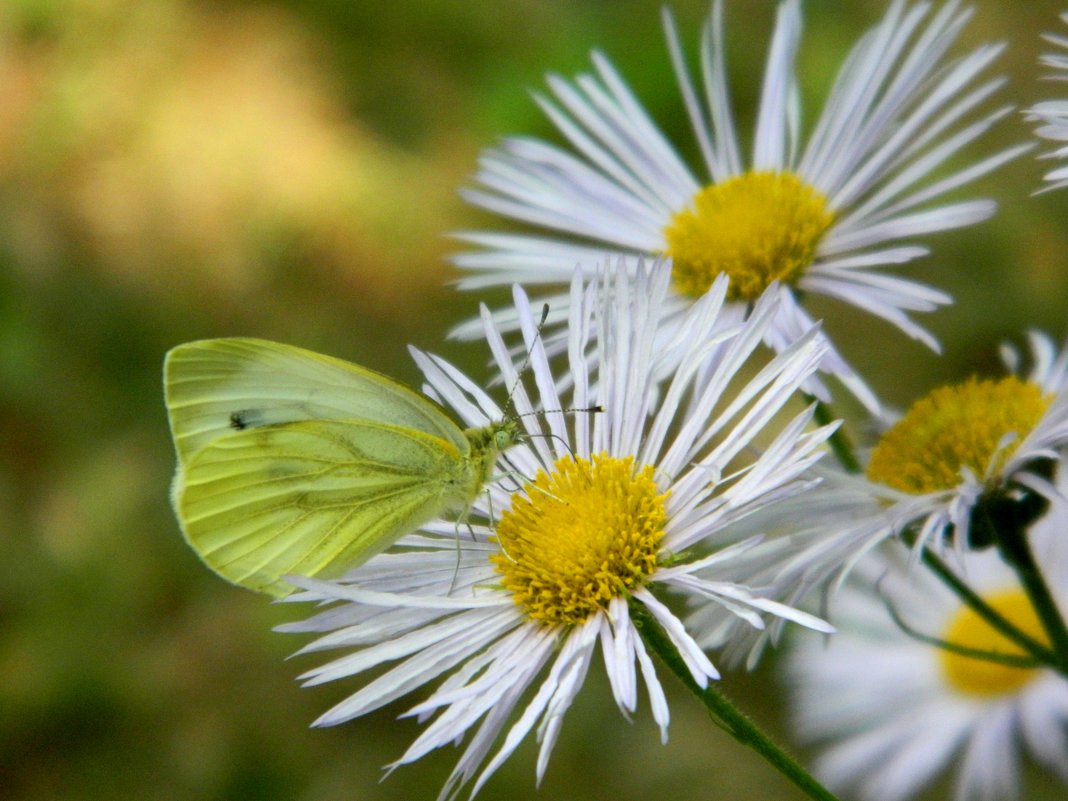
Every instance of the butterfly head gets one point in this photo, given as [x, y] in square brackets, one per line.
[506, 433]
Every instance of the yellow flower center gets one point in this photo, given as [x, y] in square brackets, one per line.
[972, 676]
[582, 536]
[956, 427]
[757, 227]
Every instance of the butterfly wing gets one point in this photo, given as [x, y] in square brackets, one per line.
[313, 497]
[215, 387]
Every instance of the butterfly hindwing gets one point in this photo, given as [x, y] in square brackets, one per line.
[313, 496]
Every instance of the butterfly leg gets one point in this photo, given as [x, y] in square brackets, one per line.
[460, 521]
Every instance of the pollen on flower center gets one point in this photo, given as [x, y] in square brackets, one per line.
[973, 676]
[957, 427]
[583, 535]
[757, 227]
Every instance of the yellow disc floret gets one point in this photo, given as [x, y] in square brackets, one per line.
[981, 677]
[757, 227]
[585, 534]
[957, 427]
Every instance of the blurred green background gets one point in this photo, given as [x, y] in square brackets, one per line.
[172, 170]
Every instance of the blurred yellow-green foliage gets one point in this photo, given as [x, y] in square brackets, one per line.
[171, 170]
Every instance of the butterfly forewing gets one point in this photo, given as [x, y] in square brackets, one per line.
[313, 497]
[215, 387]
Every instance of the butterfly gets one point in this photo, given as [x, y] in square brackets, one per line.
[291, 462]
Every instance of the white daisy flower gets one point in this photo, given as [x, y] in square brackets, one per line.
[1053, 114]
[616, 507]
[960, 460]
[993, 443]
[822, 214]
[892, 711]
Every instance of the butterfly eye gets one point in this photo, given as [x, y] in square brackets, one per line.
[503, 438]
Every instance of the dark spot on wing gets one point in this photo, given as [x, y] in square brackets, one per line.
[241, 420]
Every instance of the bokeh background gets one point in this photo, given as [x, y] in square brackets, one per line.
[172, 170]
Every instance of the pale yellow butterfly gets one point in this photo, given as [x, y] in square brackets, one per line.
[291, 462]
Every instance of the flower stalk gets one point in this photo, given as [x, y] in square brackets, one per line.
[993, 618]
[1015, 549]
[839, 441]
[736, 723]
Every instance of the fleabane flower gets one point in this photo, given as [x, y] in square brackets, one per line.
[1053, 114]
[821, 214]
[890, 712]
[618, 496]
[962, 461]
[967, 453]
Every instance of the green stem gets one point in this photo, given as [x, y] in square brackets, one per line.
[733, 720]
[1009, 660]
[839, 441]
[1016, 550]
[995, 619]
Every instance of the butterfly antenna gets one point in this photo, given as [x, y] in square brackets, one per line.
[595, 409]
[509, 406]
